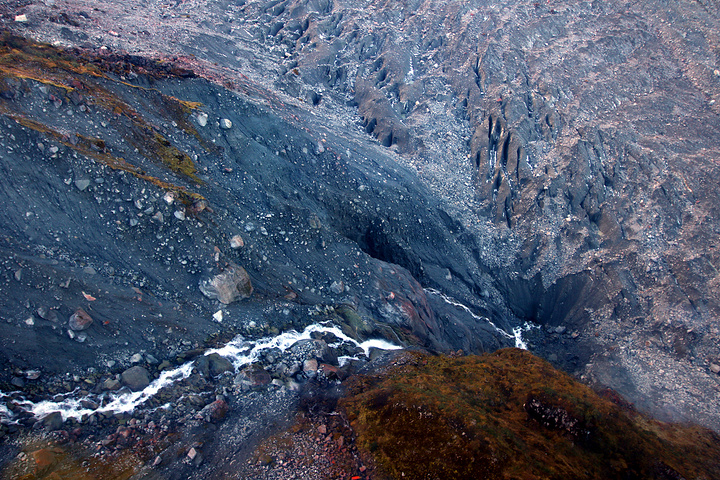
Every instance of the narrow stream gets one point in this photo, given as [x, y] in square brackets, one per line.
[516, 332]
[239, 351]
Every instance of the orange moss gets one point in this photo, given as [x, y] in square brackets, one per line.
[47, 461]
[70, 70]
[95, 148]
[511, 415]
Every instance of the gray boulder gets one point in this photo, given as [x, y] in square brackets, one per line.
[136, 378]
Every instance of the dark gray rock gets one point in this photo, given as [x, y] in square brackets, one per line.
[213, 365]
[136, 378]
[53, 421]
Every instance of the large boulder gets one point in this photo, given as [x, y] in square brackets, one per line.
[213, 365]
[136, 378]
[229, 286]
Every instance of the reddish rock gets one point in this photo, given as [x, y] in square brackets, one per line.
[215, 411]
[80, 320]
[46, 457]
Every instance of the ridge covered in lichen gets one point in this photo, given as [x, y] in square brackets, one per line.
[82, 77]
[511, 415]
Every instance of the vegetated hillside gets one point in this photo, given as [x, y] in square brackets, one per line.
[511, 415]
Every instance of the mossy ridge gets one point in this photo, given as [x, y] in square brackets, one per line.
[95, 148]
[24, 59]
[443, 417]
[86, 62]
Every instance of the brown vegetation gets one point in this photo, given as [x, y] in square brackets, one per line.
[511, 415]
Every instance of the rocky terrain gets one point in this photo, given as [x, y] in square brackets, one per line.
[436, 175]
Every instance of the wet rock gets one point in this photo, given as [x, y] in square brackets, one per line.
[313, 349]
[89, 404]
[231, 285]
[111, 384]
[213, 365]
[53, 421]
[202, 119]
[80, 320]
[715, 368]
[136, 378]
[226, 124]
[17, 382]
[252, 376]
[137, 358]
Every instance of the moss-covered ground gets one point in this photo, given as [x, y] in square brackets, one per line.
[511, 415]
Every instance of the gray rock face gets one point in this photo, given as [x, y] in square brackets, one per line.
[136, 378]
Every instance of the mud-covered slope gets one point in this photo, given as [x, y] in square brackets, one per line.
[573, 146]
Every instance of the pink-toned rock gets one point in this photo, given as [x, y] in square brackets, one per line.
[231, 285]
[237, 241]
[80, 320]
[215, 411]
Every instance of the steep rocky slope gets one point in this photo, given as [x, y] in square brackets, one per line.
[543, 161]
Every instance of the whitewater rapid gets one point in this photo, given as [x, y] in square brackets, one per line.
[239, 351]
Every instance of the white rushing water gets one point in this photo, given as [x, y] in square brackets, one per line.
[242, 352]
[239, 351]
[516, 332]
